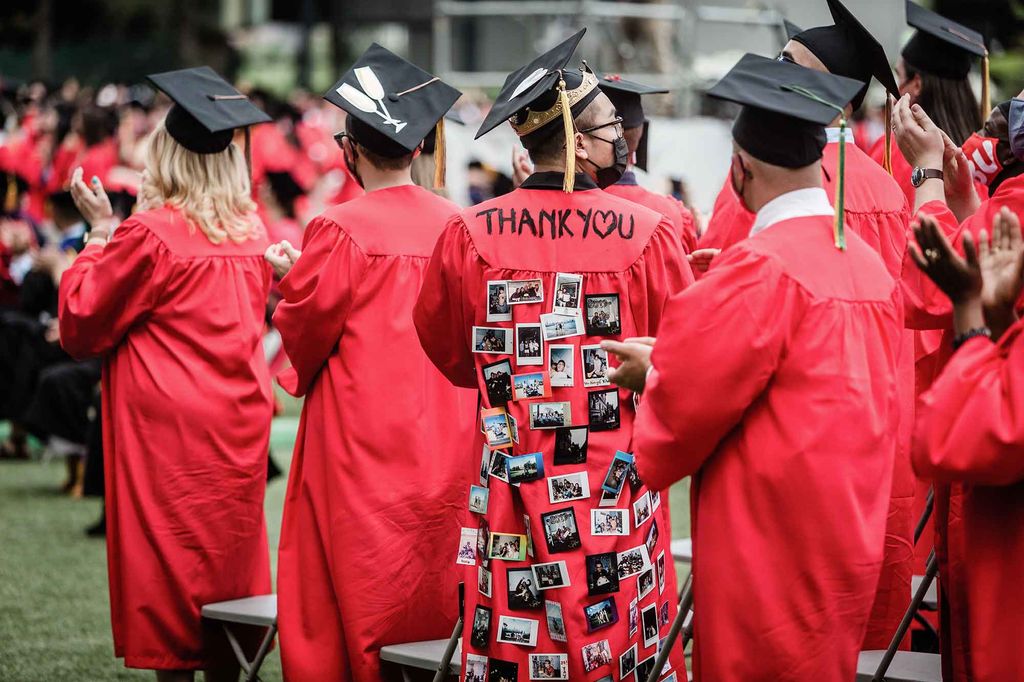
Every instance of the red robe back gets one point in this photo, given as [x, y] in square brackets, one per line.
[792, 459]
[186, 426]
[378, 484]
[619, 248]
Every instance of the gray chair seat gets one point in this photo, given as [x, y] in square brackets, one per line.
[421, 655]
[907, 666]
[260, 611]
[931, 597]
[682, 550]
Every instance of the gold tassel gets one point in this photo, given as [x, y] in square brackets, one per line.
[986, 97]
[569, 181]
[838, 225]
[11, 199]
[439, 156]
[887, 159]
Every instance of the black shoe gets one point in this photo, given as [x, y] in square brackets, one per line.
[98, 529]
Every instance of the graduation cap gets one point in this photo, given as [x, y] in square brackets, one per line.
[541, 94]
[785, 110]
[625, 96]
[206, 109]
[945, 48]
[393, 105]
[792, 30]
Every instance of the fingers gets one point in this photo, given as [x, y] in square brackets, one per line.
[921, 118]
[643, 340]
[915, 254]
[1013, 227]
[620, 350]
[985, 243]
[969, 251]
[290, 251]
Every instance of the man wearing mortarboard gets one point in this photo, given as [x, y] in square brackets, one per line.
[557, 221]
[378, 442]
[792, 459]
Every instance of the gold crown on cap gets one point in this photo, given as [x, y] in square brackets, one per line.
[535, 120]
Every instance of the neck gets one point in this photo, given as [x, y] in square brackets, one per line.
[375, 178]
[784, 181]
[550, 168]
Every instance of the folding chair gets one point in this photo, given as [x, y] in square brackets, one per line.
[260, 611]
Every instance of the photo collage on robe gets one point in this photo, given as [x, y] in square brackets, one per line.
[569, 555]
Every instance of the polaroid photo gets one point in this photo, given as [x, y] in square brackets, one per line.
[478, 496]
[522, 589]
[634, 479]
[644, 667]
[551, 575]
[498, 309]
[633, 561]
[556, 626]
[649, 624]
[595, 366]
[568, 293]
[609, 499]
[596, 655]
[481, 632]
[660, 564]
[602, 574]
[609, 521]
[571, 445]
[529, 345]
[550, 415]
[634, 617]
[467, 547]
[601, 615]
[529, 535]
[557, 327]
[663, 614]
[476, 668]
[655, 498]
[522, 291]
[496, 340]
[513, 427]
[627, 661]
[531, 385]
[496, 430]
[602, 314]
[549, 667]
[561, 534]
[502, 671]
[498, 467]
[521, 631]
[605, 678]
[568, 487]
[498, 381]
[483, 581]
[617, 472]
[485, 464]
[507, 547]
[561, 365]
[642, 510]
[483, 539]
[604, 409]
[645, 583]
[524, 468]
[652, 537]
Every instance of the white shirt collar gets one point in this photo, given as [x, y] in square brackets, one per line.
[801, 203]
[833, 135]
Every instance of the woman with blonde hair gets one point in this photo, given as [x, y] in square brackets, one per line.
[173, 301]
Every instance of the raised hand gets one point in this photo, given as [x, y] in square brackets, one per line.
[634, 356]
[92, 203]
[701, 259]
[1002, 269]
[958, 181]
[917, 136]
[282, 257]
[959, 278]
[521, 166]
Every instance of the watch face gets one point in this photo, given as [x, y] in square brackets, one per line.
[917, 177]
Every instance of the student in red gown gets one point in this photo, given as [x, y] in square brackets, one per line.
[377, 489]
[969, 434]
[626, 261]
[625, 97]
[792, 463]
[174, 302]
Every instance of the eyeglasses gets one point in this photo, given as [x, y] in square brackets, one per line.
[784, 57]
[338, 137]
[617, 121]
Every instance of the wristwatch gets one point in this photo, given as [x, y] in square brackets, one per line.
[919, 175]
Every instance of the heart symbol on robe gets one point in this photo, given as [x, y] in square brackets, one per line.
[611, 222]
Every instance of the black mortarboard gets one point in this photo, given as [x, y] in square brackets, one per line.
[206, 110]
[542, 93]
[792, 30]
[940, 46]
[848, 49]
[393, 105]
[785, 110]
[625, 96]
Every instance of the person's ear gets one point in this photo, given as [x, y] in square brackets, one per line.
[914, 87]
[581, 146]
[419, 150]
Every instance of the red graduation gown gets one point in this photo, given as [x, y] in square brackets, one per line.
[619, 248]
[186, 425]
[670, 207]
[792, 457]
[378, 484]
[969, 431]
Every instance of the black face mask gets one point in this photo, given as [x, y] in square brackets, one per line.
[609, 175]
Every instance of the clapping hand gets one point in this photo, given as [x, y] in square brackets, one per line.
[282, 257]
[92, 203]
[959, 278]
[521, 166]
[634, 356]
[1002, 269]
[917, 136]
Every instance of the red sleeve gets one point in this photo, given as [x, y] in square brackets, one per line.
[662, 273]
[108, 289]
[444, 314]
[970, 424]
[318, 292]
[728, 330]
[924, 304]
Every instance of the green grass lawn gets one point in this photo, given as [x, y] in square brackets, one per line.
[54, 613]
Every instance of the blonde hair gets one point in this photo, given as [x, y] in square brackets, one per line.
[212, 190]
